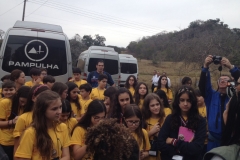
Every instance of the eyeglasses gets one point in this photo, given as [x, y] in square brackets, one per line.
[97, 118]
[130, 123]
[221, 79]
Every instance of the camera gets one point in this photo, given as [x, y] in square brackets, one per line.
[230, 88]
[217, 59]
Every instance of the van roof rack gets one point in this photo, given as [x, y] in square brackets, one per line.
[38, 26]
[101, 48]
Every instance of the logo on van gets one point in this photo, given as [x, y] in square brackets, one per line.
[36, 50]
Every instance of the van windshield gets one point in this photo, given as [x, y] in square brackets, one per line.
[24, 52]
[128, 68]
[110, 65]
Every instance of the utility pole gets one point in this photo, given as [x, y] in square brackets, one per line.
[24, 6]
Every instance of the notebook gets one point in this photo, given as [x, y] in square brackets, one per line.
[185, 134]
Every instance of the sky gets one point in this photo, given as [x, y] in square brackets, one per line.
[119, 21]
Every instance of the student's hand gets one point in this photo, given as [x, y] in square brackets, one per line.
[155, 128]
[225, 62]
[15, 120]
[36, 81]
[208, 61]
[143, 154]
[169, 140]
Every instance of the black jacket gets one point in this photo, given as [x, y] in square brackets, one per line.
[189, 150]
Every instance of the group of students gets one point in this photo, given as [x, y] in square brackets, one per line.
[53, 120]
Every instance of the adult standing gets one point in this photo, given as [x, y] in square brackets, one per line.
[215, 100]
[93, 76]
[153, 79]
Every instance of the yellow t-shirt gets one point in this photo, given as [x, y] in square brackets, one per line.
[167, 111]
[151, 122]
[85, 103]
[6, 137]
[22, 124]
[97, 94]
[146, 139]
[27, 147]
[0, 93]
[203, 112]
[71, 124]
[169, 93]
[30, 83]
[76, 112]
[141, 103]
[132, 90]
[79, 83]
[78, 138]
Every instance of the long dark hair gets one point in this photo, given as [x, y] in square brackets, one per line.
[146, 111]
[127, 85]
[43, 101]
[116, 111]
[193, 114]
[72, 86]
[132, 110]
[231, 133]
[59, 87]
[159, 83]
[66, 107]
[137, 96]
[34, 92]
[95, 107]
[22, 92]
[110, 92]
[162, 95]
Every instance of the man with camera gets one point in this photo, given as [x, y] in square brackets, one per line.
[216, 100]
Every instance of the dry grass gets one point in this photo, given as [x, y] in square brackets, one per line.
[176, 71]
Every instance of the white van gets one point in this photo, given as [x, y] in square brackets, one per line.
[87, 61]
[129, 66]
[33, 44]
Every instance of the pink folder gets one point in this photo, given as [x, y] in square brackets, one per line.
[185, 134]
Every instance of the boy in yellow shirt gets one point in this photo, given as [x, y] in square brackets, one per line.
[35, 75]
[4, 79]
[77, 77]
[98, 93]
[6, 124]
[85, 91]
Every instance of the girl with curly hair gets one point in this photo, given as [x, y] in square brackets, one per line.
[163, 85]
[163, 97]
[185, 120]
[74, 98]
[140, 93]
[153, 116]
[96, 111]
[131, 84]
[110, 140]
[123, 97]
[133, 120]
[45, 138]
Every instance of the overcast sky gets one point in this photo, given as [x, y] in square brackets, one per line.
[119, 21]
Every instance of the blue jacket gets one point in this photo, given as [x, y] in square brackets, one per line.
[93, 78]
[213, 103]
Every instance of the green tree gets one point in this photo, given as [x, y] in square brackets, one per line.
[87, 40]
[99, 40]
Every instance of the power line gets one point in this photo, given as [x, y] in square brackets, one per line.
[101, 15]
[11, 9]
[37, 8]
[97, 18]
[128, 34]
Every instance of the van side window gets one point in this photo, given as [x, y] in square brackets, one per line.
[24, 52]
[128, 68]
[110, 65]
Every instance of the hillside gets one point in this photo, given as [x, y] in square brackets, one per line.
[176, 71]
[192, 44]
